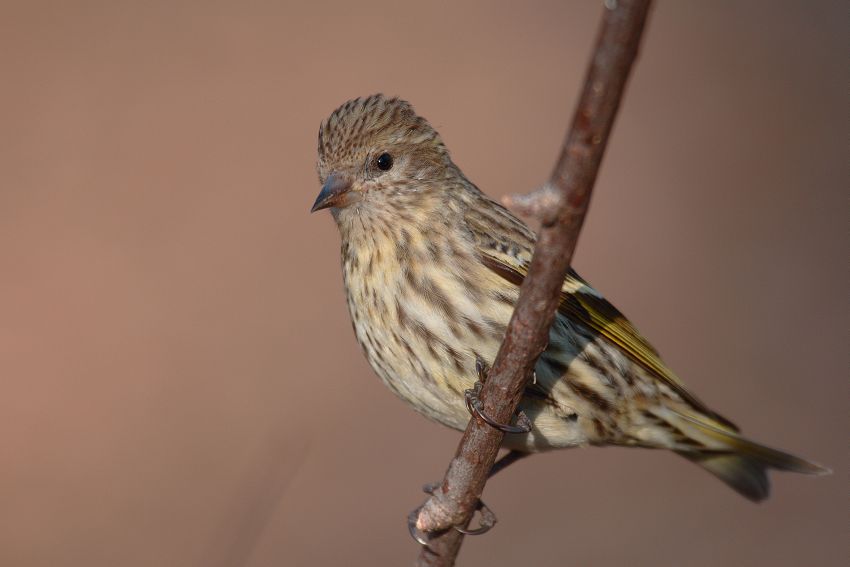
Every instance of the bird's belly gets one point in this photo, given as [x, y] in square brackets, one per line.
[428, 360]
[416, 360]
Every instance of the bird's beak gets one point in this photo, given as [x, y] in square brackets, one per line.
[335, 193]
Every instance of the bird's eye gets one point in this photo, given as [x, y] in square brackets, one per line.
[384, 162]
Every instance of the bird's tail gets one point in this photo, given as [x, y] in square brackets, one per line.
[740, 463]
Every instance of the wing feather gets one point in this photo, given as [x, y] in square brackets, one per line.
[506, 249]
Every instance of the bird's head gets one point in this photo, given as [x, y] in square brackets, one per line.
[375, 152]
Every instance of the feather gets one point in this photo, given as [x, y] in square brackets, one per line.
[509, 256]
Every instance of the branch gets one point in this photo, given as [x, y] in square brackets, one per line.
[561, 206]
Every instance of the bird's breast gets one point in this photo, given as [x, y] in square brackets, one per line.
[423, 311]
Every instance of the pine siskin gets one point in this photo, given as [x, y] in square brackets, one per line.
[432, 269]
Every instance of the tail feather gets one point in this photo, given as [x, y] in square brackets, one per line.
[737, 461]
[746, 476]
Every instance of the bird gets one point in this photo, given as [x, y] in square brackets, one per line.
[432, 267]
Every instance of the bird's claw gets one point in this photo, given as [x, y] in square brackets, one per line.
[481, 369]
[488, 520]
[476, 408]
[418, 535]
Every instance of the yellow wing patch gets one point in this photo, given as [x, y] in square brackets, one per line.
[584, 305]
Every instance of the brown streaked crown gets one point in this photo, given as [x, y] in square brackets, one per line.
[362, 128]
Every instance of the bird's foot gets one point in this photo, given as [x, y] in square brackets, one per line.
[476, 408]
[488, 520]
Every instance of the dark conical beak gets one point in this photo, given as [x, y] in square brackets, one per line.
[334, 193]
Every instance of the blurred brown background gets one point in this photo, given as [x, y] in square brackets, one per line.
[179, 383]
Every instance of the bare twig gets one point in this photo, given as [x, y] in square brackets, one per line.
[561, 206]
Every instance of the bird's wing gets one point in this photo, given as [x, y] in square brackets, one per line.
[506, 247]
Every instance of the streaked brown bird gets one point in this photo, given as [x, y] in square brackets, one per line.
[432, 269]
